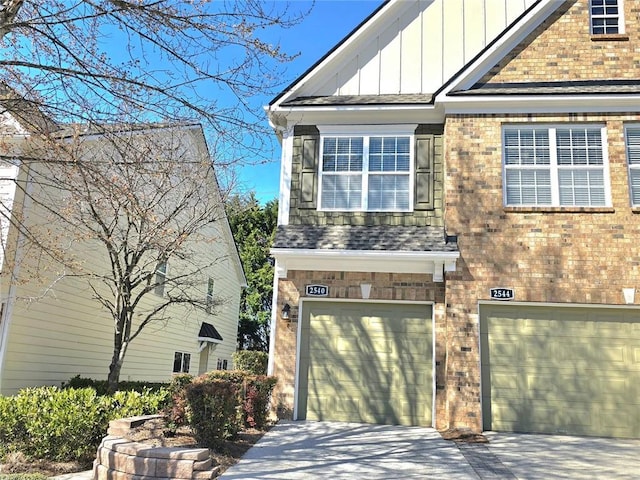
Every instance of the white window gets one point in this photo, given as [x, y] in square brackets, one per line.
[632, 140]
[181, 362]
[369, 171]
[563, 165]
[161, 278]
[209, 299]
[606, 17]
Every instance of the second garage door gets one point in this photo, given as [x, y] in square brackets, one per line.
[370, 363]
[561, 370]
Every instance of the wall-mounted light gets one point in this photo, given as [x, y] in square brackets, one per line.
[365, 290]
[629, 295]
[285, 311]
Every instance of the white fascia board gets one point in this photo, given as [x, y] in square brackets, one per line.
[515, 104]
[481, 65]
[209, 340]
[364, 261]
[351, 41]
[362, 114]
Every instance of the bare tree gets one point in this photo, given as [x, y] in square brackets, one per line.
[134, 214]
[88, 81]
[95, 61]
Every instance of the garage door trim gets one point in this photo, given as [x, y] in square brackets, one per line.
[305, 301]
[608, 315]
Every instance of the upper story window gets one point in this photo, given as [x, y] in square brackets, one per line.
[563, 165]
[161, 278]
[632, 141]
[606, 17]
[366, 172]
[209, 300]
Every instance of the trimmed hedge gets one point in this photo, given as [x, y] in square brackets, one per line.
[102, 386]
[66, 424]
[213, 410]
[219, 403]
[251, 361]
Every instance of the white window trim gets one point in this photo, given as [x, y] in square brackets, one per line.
[553, 166]
[620, 16]
[398, 130]
[635, 126]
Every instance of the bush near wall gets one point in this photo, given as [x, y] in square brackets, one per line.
[66, 424]
[255, 394]
[102, 386]
[251, 361]
[219, 403]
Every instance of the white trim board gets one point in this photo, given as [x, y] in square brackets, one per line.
[435, 263]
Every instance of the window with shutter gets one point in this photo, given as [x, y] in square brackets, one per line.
[555, 166]
[370, 171]
[632, 141]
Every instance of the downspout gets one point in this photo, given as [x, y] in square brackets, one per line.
[17, 260]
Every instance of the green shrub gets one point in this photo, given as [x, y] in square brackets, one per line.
[213, 407]
[251, 361]
[102, 386]
[178, 409]
[63, 425]
[257, 394]
[254, 394]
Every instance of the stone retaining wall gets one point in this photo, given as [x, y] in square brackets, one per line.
[122, 459]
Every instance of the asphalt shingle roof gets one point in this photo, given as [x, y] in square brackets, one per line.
[586, 87]
[366, 238]
[337, 100]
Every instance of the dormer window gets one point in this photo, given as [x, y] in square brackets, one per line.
[606, 17]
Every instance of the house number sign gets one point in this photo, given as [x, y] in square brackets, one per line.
[502, 293]
[317, 290]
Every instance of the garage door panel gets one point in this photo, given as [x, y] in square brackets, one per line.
[373, 366]
[562, 370]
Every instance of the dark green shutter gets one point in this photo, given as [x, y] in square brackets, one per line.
[309, 172]
[425, 151]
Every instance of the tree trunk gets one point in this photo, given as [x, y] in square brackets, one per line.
[114, 372]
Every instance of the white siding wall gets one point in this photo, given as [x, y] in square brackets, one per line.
[416, 48]
[8, 175]
[56, 330]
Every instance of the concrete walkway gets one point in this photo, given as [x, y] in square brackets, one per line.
[309, 450]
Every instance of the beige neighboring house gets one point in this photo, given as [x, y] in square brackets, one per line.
[458, 231]
[52, 330]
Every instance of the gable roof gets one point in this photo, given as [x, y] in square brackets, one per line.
[344, 76]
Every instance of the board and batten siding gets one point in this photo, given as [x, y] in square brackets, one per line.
[414, 48]
[428, 177]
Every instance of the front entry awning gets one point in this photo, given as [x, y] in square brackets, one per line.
[387, 249]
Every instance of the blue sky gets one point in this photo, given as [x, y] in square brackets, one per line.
[328, 23]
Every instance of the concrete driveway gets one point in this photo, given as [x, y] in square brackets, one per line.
[309, 450]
